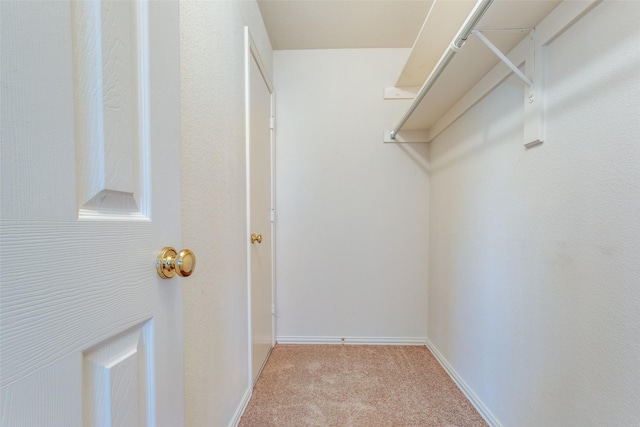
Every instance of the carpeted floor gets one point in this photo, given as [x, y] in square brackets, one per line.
[356, 385]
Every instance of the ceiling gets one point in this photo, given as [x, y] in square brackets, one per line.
[339, 24]
[335, 24]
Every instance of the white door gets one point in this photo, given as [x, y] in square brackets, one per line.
[260, 208]
[90, 335]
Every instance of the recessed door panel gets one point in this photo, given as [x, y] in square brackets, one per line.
[117, 377]
[110, 60]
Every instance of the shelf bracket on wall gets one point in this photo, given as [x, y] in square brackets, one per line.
[533, 114]
[504, 59]
[533, 105]
[407, 136]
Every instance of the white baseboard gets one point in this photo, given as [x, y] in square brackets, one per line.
[464, 387]
[353, 340]
[241, 407]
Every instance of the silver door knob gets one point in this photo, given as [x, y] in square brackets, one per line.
[170, 262]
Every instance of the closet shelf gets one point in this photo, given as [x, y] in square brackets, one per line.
[518, 29]
[458, 42]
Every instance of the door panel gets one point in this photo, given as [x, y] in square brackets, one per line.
[37, 106]
[260, 217]
[110, 40]
[117, 379]
[90, 152]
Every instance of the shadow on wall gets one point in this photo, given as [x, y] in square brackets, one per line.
[484, 132]
[583, 86]
[418, 152]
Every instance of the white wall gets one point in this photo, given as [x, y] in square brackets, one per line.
[214, 203]
[351, 235]
[534, 266]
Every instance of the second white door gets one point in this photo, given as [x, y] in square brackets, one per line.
[260, 211]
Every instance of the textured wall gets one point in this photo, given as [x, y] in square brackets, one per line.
[214, 203]
[534, 268]
[351, 235]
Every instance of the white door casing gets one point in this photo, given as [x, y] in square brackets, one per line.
[90, 180]
[260, 207]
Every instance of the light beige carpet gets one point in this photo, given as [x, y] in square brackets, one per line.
[356, 385]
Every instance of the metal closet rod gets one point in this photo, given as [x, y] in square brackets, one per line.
[472, 20]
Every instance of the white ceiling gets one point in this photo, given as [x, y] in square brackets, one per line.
[336, 24]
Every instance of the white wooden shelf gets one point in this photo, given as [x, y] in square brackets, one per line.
[475, 70]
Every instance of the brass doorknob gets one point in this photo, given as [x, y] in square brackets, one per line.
[170, 262]
[256, 238]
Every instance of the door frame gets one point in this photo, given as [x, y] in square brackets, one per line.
[251, 51]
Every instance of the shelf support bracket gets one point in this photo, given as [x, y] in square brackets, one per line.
[407, 136]
[533, 103]
[504, 58]
[533, 114]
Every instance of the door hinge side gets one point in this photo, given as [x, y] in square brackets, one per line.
[272, 122]
[273, 215]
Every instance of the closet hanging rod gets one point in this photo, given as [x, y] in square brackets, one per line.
[472, 20]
